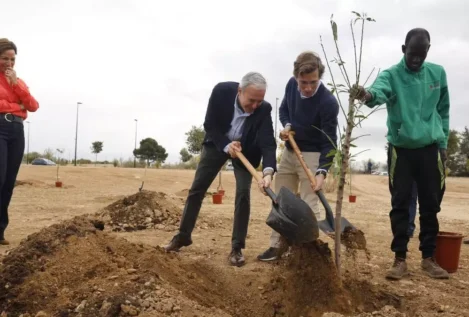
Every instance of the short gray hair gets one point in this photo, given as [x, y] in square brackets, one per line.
[255, 79]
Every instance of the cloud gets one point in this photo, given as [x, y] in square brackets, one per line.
[158, 61]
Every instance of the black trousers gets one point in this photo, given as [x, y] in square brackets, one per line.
[211, 161]
[11, 155]
[424, 165]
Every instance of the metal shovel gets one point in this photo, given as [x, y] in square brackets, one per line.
[290, 216]
[327, 225]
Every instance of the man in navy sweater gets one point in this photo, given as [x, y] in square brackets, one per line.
[307, 104]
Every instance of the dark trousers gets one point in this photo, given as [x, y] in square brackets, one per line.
[412, 209]
[424, 166]
[11, 155]
[211, 161]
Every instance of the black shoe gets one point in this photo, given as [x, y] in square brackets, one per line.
[271, 254]
[236, 257]
[176, 244]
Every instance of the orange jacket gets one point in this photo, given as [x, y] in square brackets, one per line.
[12, 97]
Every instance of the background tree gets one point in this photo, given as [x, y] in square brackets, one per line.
[185, 155]
[151, 151]
[96, 148]
[195, 137]
[453, 151]
[464, 142]
[48, 154]
[31, 157]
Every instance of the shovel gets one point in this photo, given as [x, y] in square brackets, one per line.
[290, 216]
[327, 225]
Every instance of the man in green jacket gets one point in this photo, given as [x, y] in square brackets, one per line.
[416, 96]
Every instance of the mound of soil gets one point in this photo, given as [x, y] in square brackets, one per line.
[72, 269]
[143, 210]
[307, 284]
[75, 269]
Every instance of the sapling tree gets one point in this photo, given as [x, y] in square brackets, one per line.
[354, 115]
[59, 158]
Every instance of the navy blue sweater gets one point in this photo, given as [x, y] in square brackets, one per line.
[320, 111]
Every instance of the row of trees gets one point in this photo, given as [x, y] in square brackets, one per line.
[150, 152]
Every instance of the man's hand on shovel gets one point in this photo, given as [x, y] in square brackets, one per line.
[265, 183]
[261, 183]
[319, 183]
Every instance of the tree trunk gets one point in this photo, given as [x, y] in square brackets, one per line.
[341, 186]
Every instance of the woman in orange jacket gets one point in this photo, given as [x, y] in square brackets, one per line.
[15, 102]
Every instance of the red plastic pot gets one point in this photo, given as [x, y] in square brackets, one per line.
[448, 249]
[352, 198]
[58, 184]
[217, 198]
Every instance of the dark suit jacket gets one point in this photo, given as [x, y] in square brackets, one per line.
[257, 139]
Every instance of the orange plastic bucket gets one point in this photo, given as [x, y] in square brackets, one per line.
[448, 249]
[217, 198]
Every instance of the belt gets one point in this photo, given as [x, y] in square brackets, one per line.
[11, 117]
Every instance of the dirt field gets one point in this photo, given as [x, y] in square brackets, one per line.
[59, 264]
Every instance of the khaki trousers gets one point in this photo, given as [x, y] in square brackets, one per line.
[291, 175]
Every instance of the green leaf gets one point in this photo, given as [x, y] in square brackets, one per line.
[330, 140]
[340, 85]
[358, 14]
[356, 20]
[370, 19]
[334, 30]
[331, 153]
[326, 165]
[352, 145]
[360, 116]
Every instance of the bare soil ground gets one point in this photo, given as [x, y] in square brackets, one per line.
[93, 248]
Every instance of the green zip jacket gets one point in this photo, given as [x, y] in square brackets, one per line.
[417, 104]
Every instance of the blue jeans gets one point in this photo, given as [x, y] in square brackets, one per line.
[412, 209]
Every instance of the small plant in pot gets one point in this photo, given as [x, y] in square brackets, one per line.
[58, 182]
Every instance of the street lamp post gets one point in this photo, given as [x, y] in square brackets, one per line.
[76, 134]
[27, 155]
[135, 146]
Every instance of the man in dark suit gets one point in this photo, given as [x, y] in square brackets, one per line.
[237, 119]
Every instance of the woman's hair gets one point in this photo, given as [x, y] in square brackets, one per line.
[6, 44]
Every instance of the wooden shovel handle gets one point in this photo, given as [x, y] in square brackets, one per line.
[295, 147]
[249, 166]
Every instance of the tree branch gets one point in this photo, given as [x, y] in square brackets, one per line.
[332, 77]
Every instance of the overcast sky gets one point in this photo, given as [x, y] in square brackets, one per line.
[157, 61]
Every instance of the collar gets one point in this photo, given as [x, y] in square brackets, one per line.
[317, 88]
[238, 107]
[404, 65]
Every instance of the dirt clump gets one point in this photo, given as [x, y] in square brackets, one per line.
[72, 269]
[143, 210]
[353, 238]
[306, 284]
